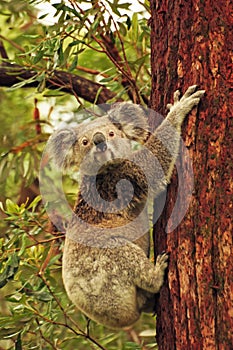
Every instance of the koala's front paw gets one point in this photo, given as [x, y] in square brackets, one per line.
[190, 99]
[192, 96]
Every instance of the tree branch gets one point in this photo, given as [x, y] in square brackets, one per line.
[90, 91]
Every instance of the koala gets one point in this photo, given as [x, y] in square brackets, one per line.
[106, 268]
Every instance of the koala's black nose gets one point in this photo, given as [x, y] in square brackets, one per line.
[100, 141]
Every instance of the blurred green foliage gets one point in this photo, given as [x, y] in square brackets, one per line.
[35, 312]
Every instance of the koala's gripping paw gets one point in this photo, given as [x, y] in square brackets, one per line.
[162, 261]
[190, 99]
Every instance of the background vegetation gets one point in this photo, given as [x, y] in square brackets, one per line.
[93, 52]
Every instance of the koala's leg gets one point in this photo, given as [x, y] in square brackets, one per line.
[149, 277]
[145, 301]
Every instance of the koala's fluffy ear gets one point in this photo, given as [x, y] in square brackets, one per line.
[131, 119]
[60, 146]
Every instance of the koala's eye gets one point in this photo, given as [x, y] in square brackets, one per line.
[84, 142]
[111, 133]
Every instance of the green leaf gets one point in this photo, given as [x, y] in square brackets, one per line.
[53, 93]
[73, 64]
[122, 28]
[135, 27]
[43, 296]
[61, 55]
[5, 168]
[43, 16]
[105, 80]
[139, 61]
[38, 57]
[13, 261]
[31, 36]
[11, 207]
[61, 7]
[23, 83]
[10, 270]
[76, 42]
[132, 346]
[24, 244]
[96, 24]
[66, 54]
[125, 5]
[34, 203]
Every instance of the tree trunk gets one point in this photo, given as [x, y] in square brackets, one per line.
[191, 44]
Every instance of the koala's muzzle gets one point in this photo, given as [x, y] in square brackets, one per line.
[100, 142]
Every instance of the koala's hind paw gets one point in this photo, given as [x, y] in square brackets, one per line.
[162, 261]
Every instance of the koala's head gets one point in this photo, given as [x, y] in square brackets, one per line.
[92, 145]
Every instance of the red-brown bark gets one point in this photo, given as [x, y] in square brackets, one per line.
[192, 44]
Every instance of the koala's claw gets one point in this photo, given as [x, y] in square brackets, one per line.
[176, 96]
[169, 106]
[192, 93]
[189, 92]
[164, 252]
[162, 260]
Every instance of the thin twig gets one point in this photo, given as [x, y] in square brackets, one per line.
[12, 43]
[81, 334]
[43, 337]
[92, 71]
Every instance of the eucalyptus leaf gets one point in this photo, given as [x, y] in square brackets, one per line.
[9, 270]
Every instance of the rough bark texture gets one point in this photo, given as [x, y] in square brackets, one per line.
[191, 44]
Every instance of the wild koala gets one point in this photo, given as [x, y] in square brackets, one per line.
[106, 270]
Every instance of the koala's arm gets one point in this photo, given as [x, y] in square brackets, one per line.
[164, 143]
